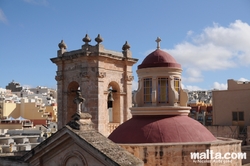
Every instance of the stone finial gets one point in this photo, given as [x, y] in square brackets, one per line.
[79, 100]
[86, 39]
[98, 39]
[80, 120]
[158, 40]
[126, 46]
[62, 45]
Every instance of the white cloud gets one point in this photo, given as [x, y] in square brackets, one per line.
[134, 85]
[190, 87]
[219, 86]
[191, 79]
[193, 72]
[3, 17]
[189, 33]
[193, 75]
[243, 79]
[216, 48]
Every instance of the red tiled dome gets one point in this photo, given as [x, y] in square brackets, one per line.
[161, 129]
[159, 58]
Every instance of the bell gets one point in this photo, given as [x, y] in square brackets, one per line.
[110, 97]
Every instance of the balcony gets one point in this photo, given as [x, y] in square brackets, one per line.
[112, 127]
[28, 124]
[44, 116]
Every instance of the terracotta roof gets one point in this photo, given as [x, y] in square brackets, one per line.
[108, 148]
[161, 129]
[159, 58]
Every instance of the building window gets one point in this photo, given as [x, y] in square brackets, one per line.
[241, 116]
[162, 90]
[200, 118]
[209, 119]
[193, 111]
[238, 116]
[235, 116]
[147, 90]
[177, 86]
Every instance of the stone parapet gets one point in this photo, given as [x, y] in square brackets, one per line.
[174, 154]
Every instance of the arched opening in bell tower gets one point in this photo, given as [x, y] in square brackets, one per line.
[71, 95]
[113, 102]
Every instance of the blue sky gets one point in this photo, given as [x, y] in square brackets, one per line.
[210, 39]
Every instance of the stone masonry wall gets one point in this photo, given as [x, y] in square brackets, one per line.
[230, 132]
[175, 154]
[224, 131]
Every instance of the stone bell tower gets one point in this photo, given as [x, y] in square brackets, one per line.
[104, 78]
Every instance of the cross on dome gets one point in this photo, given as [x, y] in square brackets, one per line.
[158, 40]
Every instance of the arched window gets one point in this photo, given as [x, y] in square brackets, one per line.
[162, 90]
[147, 82]
[113, 102]
[71, 95]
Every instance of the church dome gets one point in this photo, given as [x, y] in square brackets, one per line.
[161, 129]
[159, 58]
[160, 111]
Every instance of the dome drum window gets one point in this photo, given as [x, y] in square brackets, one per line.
[177, 87]
[163, 90]
[147, 90]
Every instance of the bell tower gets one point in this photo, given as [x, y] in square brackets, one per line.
[104, 78]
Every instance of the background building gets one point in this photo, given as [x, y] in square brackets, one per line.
[14, 86]
[26, 108]
[201, 112]
[231, 106]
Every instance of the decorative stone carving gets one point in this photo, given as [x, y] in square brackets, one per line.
[183, 97]
[86, 39]
[126, 46]
[62, 45]
[59, 78]
[129, 78]
[98, 39]
[84, 74]
[74, 158]
[173, 94]
[101, 74]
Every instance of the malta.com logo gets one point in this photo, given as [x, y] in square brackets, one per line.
[210, 157]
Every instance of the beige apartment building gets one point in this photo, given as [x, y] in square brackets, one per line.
[29, 109]
[231, 114]
[231, 106]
